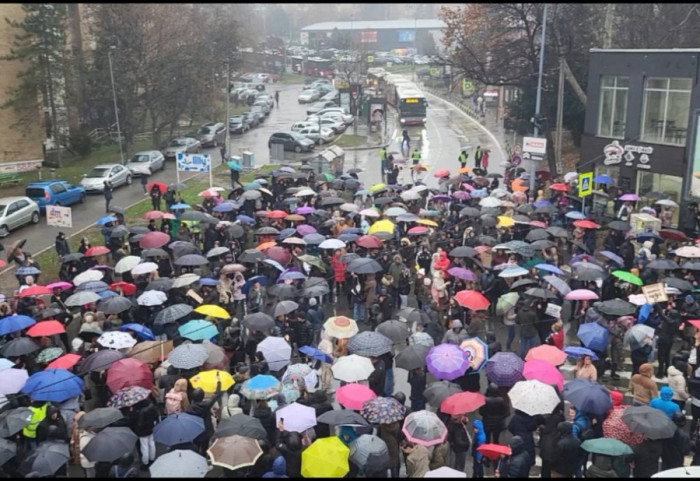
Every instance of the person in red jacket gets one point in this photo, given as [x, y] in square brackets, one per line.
[556, 338]
[339, 272]
[442, 263]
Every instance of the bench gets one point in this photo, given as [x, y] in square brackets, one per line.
[9, 178]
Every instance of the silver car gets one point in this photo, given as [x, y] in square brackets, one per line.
[117, 174]
[185, 145]
[212, 134]
[15, 212]
[146, 162]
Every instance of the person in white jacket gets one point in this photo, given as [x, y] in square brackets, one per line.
[676, 382]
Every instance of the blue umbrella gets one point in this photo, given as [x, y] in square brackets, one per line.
[284, 233]
[27, 271]
[650, 235]
[180, 205]
[15, 323]
[291, 275]
[224, 207]
[107, 294]
[274, 264]
[588, 396]
[362, 192]
[348, 237]
[539, 203]
[593, 336]
[208, 281]
[351, 230]
[603, 179]
[576, 215]
[549, 268]
[106, 220]
[249, 283]
[315, 353]
[261, 386]
[245, 219]
[578, 351]
[142, 331]
[56, 385]
[233, 165]
[478, 193]
[613, 257]
[178, 429]
[198, 330]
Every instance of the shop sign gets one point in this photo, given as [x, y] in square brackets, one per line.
[637, 156]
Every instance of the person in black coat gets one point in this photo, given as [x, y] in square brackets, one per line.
[417, 378]
[142, 420]
[377, 380]
[523, 425]
[53, 418]
[519, 462]
[494, 413]
[266, 417]
[290, 447]
[202, 408]
[319, 401]
[459, 440]
[62, 247]
[566, 452]
[549, 436]
[646, 458]
[675, 450]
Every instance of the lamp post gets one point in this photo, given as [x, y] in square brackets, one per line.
[228, 99]
[533, 166]
[114, 96]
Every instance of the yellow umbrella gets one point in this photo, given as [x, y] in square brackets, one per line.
[427, 222]
[325, 458]
[213, 311]
[207, 380]
[377, 187]
[382, 226]
[505, 221]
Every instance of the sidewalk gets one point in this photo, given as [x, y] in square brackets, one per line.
[375, 140]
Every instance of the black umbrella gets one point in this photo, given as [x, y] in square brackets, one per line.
[153, 252]
[677, 283]
[412, 315]
[691, 265]
[19, 347]
[110, 444]
[412, 357]
[100, 418]
[282, 291]
[14, 420]
[241, 425]
[662, 264]
[173, 313]
[558, 232]
[191, 260]
[439, 390]
[198, 216]
[541, 293]
[350, 256]
[117, 209]
[163, 284]
[51, 313]
[115, 305]
[251, 256]
[285, 307]
[542, 244]
[588, 272]
[119, 231]
[580, 245]
[180, 248]
[397, 331]
[537, 235]
[99, 361]
[525, 209]
[544, 209]
[8, 450]
[46, 459]
[314, 282]
[463, 251]
[383, 201]
[492, 211]
[267, 231]
[342, 417]
[364, 266]
[487, 240]
[259, 321]
[619, 225]
[235, 231]
[76, 256]
[328, 201]
[616, 307]
[488, 221]
[650, 422]
[522, 283]
[470, 212]
[139, 229]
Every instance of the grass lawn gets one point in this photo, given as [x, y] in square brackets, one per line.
[351, 140]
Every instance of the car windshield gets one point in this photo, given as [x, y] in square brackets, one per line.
[98, 172]
[2, 209]
[204, 130]
[236, 120]
[140, 158]
[176, 143]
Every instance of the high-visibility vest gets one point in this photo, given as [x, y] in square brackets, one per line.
[382, 154]
[463, 158]
[38, 415]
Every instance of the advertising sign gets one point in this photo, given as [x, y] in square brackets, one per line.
[304, 38]
[407, 35]
[535, 145]
[655, 293]
[467, 86]
[585, 184]
[368, 36]
[59, 216]
[193, 162]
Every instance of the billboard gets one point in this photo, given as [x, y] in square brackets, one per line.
[407, 35]
[193, 162]
[369, 36]
[59, 216]
[694, 187]
[304, 38]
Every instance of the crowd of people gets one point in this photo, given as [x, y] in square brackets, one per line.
[268, 333]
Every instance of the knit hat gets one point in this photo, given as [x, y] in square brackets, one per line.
[455, 324]
[312, 302]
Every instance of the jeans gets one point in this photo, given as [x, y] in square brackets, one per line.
[459, 460]
[389, 383]
[526, 341]
[358, 311]
[511, 337]
[478, 471]
[394, 472]
[148, 449]
[493, 436]
[417, 404]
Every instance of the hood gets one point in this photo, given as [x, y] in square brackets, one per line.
[517, 445]
[666, 393]
[233, 401]
[616, 397]
[279, 466]
[397, 259]
[479, 426]
[455, 324]
[442, 255]
[672, 371]
[564, 428]
[646, 369]
[492, 390]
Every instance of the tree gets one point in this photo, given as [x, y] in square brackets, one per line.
[40, 45]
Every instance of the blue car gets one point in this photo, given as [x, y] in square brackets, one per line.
[55, 192]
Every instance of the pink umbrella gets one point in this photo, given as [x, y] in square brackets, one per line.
[546, 353]
[305, 229]
[279, 254]
[59, 284]
[629, 197]
[469, 187]
[354, 395]
[461, 195]
[581, 295]
[544, 372]
[304, 210]
[154, 240]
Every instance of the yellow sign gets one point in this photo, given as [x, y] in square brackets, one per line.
[434, 71]
[370, 58]
[655, 293]
[467, 85]
[585, 184]
[411, 101]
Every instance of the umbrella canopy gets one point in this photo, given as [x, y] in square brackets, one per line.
[581, 295]
[369, 450]
[285, 307]
[56, 385]
[577, 352]
[19, 347]
[593, 336]
[364, 265]
[296, 417]
[14, 420]
[544, 372]
[198, 330]
[115, 305]
[533, 397]
[152, 298]
[110, 444]
[116, 340]
[188, 356]
[67, 361]
[412, 357]
[208, 380]
[650, 422]
[242, 425]
[473, 300]
[141, 331]
[129, 396]
[506, 302]
[494, 451]
[616, 307]
[12, 380]
[436, 392]
[277, 352]
[99, 361]
[180, 463]
[462, 403]
[447, 361]
[383, 410]
[544, 352]
[100, 418]
[627, 277]
[606, 446]
[425, 428]
[325, 458]
[14, 323]
[682, 472]
[505, 369]
[259, 321]
[353, 396]
[614, 427]
[341, 327]
[369, 343]
[445, 472]
[588, 396]
[262, 386]
[637, 334]
[397, 331]
[477, 353]
[172, 313]
[49, 354]
[352, 368]
[129, 372]
[234, 452]
[46, 459]
[178, 429]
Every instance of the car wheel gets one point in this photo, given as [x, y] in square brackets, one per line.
[35, 217]
[128, 180]
[82, 198]
[297, 148]
[4, 231]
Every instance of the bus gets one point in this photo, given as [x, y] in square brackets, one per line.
[318, 67]
[411, 106]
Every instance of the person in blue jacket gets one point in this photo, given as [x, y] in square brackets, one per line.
[664, 402]
[479, 439]
[582, 424]
[279, 468]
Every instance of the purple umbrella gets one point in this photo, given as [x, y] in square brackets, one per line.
[505, 369]
[629, 197]
[441, 197]
[305, 229]
[296, 417]
[461, 195]
[549, 268]
[290, 275]
[542, 203]
[447, 361]
[305, 210]
[613, 257]
[462, 273]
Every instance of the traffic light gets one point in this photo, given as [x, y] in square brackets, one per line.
[539, 121]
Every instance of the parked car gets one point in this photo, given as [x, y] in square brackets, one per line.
[312, 133]
[238, 124]
[15, 212]
[117, 174]
[325, 88]
[54, 192]
[291, 141]
[337, 117]
[309, 95]
[297, 126]
[332, 95]
[347, 118]
[253, 118]
[266, 98]
[324, 104]
[264, 105]
[259, 110]
[334, 125]
[185, 145]
[149, 159]
[212, 134]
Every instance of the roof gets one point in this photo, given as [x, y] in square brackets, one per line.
[377, 25]
[43, 183]
[645, 50]
[13, 198]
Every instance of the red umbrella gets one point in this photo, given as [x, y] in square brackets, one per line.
[418, 230]
[442, 173]
[494, 451]
[128, 372]
[277, 214]
[673, 234]
[473, 300]
[66, 361]
[695, 323]
[544, 352]
[35, 290]
[127, 288]
[46, 328]
[153, 214]
[154, 240]
[279, 254]
[161, 186]
[538, 223]
[559, 187]
[462, 403]
[96, 251]
[586, 224]
[369, 242]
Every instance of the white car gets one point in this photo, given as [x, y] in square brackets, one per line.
[15, 212]
[297, 126]
[328, 123]
[347, 118]
[312, 133]
[338, 117]
[117, 174]
[145, 162]
[309, 95]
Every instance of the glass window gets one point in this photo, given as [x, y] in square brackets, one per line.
[666, 110]
[659, 186]
[612, 112]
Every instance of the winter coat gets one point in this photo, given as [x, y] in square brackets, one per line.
[523, 425]
[664, 402]
[144, 420]
[518, 465]
[452, 337]
[338, 269]
[231, 408]
[641, 385]
[279, 469]
[527, 319]
[395, 270]
[390, 434]
[442, 263]
[549, 435]
[292, 454]
[479, 439]
[302, 333]
[566, 451]
[203, 410]
[267, 419]
[495, 410]
[646, 458]
[377, 379]
[458, 436]
[581, 424]
[674, 451]
[676, 382]
[440, 456]
[417, 461]
[616, 335]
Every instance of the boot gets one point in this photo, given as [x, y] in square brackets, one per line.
[613, 375]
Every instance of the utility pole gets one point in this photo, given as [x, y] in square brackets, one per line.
[560, 117]
[228, 101]
[538, 101]
[114, 96]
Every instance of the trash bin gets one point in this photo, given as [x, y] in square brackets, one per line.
[248, 160]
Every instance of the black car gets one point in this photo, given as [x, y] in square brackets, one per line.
[291, 141]
[238, 124]
[252, 118]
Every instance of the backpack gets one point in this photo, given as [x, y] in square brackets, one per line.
[173, 403]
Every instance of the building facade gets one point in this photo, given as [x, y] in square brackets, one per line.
[641, 122]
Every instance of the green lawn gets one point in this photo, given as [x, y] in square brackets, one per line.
[351, 140]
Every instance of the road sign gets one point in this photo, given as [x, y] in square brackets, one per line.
[467, 85]
[59, 216]
[193, 162]
[370, 58]
[585, 184]
[534, 145]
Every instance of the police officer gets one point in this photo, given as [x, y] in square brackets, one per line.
[416, 157]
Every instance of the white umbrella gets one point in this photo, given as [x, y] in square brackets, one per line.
[277, 352]
[445, 472]
[499, 194]
[421, 338]
[424, 427]
[666, 202]
[489, 202]
[352, 368]
[682, 472]
[331, 244]
[692, 252]
[81, 298]
[570, 176]
[369, 213]
[116, 340]
[533, 397]
[348, 207]
[516, 271]
[152, 298]
[304, 193]
[145, 268]
[127, 263]
[185, 280]
[181, 463]
[294, 240]
[410, 195]
[88, 276]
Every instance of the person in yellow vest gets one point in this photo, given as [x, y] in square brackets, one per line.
[382, 160]
[194, 228]
[38, 409]
[416, 157]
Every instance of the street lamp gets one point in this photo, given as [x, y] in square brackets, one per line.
[228, 98]
[533, 165]
[114, 96]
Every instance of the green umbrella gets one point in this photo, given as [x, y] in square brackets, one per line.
[628, 277]
[533, 263]
[313, 261]
[506, 302]
[607, 446]
[329, 177]
[49, 354]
